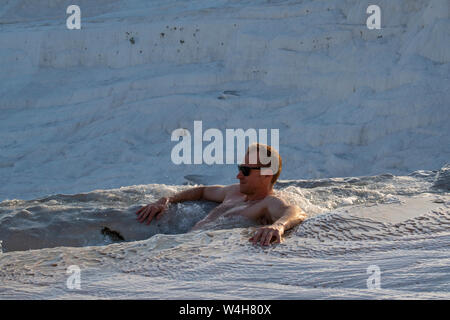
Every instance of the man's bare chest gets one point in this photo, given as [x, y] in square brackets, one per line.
[253, 210]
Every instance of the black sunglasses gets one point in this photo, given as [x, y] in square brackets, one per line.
[246, 170]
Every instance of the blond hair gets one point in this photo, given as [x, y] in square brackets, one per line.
[270, 153]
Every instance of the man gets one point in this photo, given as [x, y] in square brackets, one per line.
[253, 198]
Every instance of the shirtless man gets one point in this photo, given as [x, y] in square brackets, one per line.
[253, 198]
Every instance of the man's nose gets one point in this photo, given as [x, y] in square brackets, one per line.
[240, 175]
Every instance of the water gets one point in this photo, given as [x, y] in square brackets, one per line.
[399, 224]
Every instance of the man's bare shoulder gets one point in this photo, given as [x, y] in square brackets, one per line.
[276, 203]
[276, 200]
[226, 188]
[232, 189]
[219, 193]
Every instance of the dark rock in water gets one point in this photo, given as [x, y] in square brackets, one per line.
[113, 235]
[232, 92]
[442, 180]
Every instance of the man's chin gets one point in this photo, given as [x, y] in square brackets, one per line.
[243, 188]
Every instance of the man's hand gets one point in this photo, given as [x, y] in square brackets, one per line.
[285, 216]
[157, 209]
[268, 233]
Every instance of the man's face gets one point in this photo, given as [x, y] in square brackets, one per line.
[254, 181]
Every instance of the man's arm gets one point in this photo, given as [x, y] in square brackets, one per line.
[285, 216]
[210, 193]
